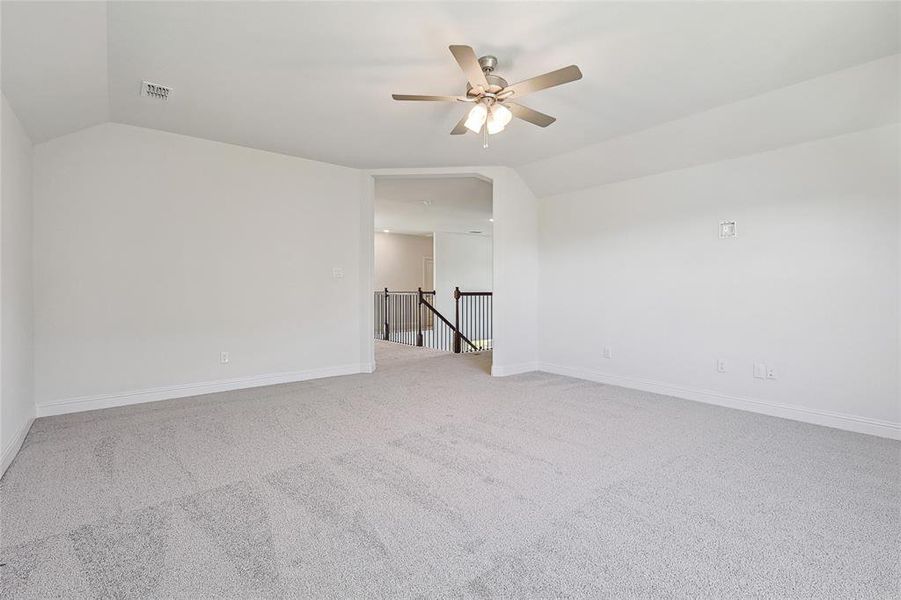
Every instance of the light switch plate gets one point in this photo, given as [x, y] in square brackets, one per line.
[760, 370]
[727, 229]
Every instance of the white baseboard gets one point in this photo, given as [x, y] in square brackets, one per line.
[504, 370]
[886, 429]
[83, 403]
[14, 445]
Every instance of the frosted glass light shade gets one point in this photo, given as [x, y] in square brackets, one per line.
[498, 119]
[476, 118]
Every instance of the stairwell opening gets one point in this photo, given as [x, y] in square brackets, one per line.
[432, 284]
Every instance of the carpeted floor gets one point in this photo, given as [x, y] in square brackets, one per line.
[431, 479]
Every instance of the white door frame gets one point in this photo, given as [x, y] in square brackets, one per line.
[428, 260]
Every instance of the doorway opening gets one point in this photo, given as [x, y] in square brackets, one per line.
[433, 263]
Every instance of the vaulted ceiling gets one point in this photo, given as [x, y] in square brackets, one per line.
[315, 79]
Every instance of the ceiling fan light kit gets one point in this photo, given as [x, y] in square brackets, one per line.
[476, 118]
[492, 95]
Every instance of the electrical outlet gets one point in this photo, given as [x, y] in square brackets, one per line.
[727, 229]
[223, 358]
[337, 272]
[608, 352]
[720, 365]
[770, 372]
[760, 370]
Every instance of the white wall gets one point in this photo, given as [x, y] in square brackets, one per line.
[155, 251]
[809, 286]
[399, 261]
[515, 275]
[16, 332]
[461, 260]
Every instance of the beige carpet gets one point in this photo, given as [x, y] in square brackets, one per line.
[431, 479]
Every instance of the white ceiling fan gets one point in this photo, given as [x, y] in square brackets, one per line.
[493, 97]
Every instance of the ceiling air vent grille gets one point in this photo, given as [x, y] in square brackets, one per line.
[155, 90]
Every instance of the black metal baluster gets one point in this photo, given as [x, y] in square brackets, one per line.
[469, 305]
[480, 319]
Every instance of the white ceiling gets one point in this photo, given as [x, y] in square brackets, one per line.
[315, 79]
[53, 65]
[853, 99]
[426, 205]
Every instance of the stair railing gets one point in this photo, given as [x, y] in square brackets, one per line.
[473, 316]
[410, 318]
[456, 335]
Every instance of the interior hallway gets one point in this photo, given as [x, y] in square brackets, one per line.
[431, 478]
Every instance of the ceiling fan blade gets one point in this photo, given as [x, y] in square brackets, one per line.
[542, 82]
[426, 98]
[466, 58]
[527, 114]
[460, 127]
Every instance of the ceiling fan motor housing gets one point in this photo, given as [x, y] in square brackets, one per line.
[495, 82]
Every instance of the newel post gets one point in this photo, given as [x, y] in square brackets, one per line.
[419, 317]
[457, 321]
[387, 317]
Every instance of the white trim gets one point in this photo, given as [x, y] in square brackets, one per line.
[429, 285]
[505, 370]
[14, 445]
[878, 427]
[82, 403]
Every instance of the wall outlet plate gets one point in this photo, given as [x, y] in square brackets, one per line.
[224, 358]
[608, 352]
[727, 229]
[770, 372]
[720, 365]
[337, 273]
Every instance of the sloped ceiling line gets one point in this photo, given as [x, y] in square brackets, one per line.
[314, 79]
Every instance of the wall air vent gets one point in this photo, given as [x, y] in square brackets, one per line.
[155, 90]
